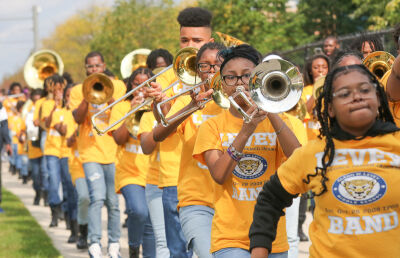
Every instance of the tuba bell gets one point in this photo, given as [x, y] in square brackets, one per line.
[228, 40]
[134, 60]
[97, 89]
[379, 62]
[40, 65]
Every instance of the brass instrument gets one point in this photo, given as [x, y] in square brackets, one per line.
[299, 110]
[275, 86]
[97, 88]
[318, 86]
[220, 99]
[228, 40]
[379, 62]
[184, 66]
[41, 65]
[132, 122]
[134, 60]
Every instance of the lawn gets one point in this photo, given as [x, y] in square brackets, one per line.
[20, 234]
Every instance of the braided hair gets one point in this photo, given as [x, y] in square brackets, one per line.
[140, 70]
[151, 61]
[373, 40]
[327, 122]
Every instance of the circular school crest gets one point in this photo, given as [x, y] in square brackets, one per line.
[250, 166]
[359, 188]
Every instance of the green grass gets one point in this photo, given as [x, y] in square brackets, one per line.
[20, 234]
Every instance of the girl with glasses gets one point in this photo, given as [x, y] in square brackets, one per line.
[240, 157]
[352, 170]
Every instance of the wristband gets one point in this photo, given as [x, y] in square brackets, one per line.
[234, 154]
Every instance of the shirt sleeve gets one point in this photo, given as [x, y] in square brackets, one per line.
[179, 104]
[118, 111]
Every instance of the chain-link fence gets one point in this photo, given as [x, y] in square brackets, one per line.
[299, 54]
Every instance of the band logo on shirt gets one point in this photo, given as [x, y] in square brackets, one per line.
[359, 188]
[250, 166]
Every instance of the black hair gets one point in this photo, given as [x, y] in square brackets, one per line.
[19, 105]
[331, 37]
[328, 123]
[13, 85]
[209, 46]
[396, 36]
[93, 54]
[194, 17]
[307, 74]
[109, 73]
[151, 61]
[140, 70]
[373, 40]
[69, 86]
[244, 51]
[341, 54]
[67, 76]
[36, 92]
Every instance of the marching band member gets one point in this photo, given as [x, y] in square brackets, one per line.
[21, 147]
[98, 158]
[131, 171]
[240, 156]
[346, 58]
[366, 44]
[195, 203]
[355, 174]
[159, 58]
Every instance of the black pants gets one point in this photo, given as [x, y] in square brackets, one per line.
[302, 210]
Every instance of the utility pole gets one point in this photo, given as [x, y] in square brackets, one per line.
[35, 12]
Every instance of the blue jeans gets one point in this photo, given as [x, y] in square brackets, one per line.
[83, 200]
[196, 226]
[24, 165]
[53, 167]
[44, 173]
[154, 203]
[175, 239]
[100, 181]
[70, 194]
[292, 221]
[242, 253]
[15, 159]
[35, 166]
[140, 231]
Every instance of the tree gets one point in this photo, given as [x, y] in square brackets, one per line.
[267, 25]
[378, 14]
[137, 24]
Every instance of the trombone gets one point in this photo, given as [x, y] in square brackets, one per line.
[214, 83]
[275, 86]
[379, 62]
[184, 66]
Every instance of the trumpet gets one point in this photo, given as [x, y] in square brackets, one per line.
[134, 60]
[275, 86]
[379, 62]
[41, 65]
[217, 96]
[184, 66]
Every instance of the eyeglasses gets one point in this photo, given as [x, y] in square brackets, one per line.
[231, 80]
[94, 65]
[365, 90]
[205, 67]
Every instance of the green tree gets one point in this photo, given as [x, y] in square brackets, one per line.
[137, 24]
[267, 25]
[378, 14]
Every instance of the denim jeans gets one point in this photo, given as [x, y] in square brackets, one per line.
[15, 159]
[196, 226]
[292, 221]
[154, 203]
[83, 200]
[53, 167]
[35, 166]
[70, 194]
[140, 231]
[175, 239]
[242, 253]
[44, 173]
[100, 181]
[24, 165]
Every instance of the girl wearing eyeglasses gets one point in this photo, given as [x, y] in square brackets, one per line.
[352, 170]
[241, 157]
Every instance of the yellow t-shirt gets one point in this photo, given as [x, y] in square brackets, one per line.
[34, 152]
[234, 201]
[54, 140]
[11, 104]
[393, 105]
[192, 173]
[67, 119]
[38, 105]
[147, 123]
[74, 161]
[310, 121]
[16, 125]
[93, 147]
[132, 164]
[358, 215]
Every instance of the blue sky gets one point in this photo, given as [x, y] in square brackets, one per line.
[16, 36]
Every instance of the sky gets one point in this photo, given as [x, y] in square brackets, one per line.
[16, 34]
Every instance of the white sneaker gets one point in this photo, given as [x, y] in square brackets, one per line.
[94, 251]
[113, 250]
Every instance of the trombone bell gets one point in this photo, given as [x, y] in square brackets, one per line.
[379, 62]
[97, 89]
[184, 66]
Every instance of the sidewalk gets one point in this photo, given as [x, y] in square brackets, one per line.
[60, 234]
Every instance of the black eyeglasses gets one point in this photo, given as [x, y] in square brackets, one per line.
[94, 65]
[205, 67]
[231, 80]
